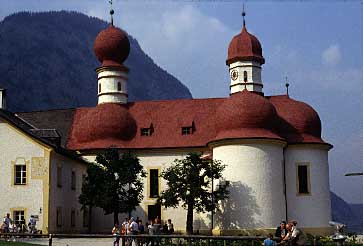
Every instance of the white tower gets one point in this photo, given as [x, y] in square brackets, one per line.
[244, 61]
[112, 85]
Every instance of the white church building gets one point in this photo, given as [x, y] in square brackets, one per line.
[276, 160]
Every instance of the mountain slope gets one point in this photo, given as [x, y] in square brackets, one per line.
[47, 62]
[349, 214]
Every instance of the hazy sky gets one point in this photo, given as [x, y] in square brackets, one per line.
[318, 45]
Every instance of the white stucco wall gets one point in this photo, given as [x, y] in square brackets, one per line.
[64, 197]
[16, 145]
[152, 160]
[108, 80]
[257, 191]
[311, 210]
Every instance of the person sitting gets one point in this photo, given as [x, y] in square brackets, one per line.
[281, 230]
[269, 240]
[293, 234]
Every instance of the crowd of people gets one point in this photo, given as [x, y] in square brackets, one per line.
[136, 227]
[286, 234]
[9, 226]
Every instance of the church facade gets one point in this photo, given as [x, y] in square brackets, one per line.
[276, 160]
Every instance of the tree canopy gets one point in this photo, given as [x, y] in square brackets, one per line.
[114, 183]
[189, 184]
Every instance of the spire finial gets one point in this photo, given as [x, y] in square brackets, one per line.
[243, 15]
[111, 11]
[287, 86]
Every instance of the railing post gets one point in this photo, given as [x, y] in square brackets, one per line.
[122, 241]
[50, 240]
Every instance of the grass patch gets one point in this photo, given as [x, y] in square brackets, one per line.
[5, 243]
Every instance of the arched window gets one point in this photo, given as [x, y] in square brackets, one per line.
[245, 76]
[119, 86]
[99, 88]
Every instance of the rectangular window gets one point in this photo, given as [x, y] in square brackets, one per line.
[59, 176]
[19, 217]
[59, 217]
[73, 217]
[145, 132]
[187, 130]
[99, 88]
[153, 212]
[303, 179]
[119, 86]
[154, 183]
[85, 217]
[20, 174]
[73, 180]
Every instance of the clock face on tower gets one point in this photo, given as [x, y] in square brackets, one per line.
[234, 74]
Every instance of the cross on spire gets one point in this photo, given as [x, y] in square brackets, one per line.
[287, 85]
[243, 15]
[111, 11]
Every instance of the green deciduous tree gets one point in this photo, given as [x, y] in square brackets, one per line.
[114, 183]
[189, 183]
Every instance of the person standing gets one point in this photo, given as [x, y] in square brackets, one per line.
[268, 241]
[6, 223]
[32, 223]
[170, 227]
[116, 234]
[134, 230]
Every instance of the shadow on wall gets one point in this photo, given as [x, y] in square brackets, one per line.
[239, 210]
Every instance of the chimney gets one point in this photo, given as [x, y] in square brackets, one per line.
[2, 98]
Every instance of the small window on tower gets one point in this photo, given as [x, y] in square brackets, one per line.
[99, 88]
[245, 76]
[119, 86]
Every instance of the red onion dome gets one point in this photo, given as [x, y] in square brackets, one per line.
[112, 46]
[109, 121]
[246, 115]
[245, 47]
[298, 122]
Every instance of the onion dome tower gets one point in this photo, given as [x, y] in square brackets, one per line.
[244, 61]
[112, 47]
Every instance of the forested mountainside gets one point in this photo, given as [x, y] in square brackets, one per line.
[47, 62]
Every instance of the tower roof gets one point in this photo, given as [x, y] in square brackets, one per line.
[112, 46]
[245, 47]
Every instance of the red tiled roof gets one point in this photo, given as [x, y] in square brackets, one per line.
[167, 117]
[298, 122]
[246, 115]
[245, 47]
[242, 115]
[112, 46]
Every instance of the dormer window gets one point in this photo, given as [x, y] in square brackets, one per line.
[147, 131]
[187, 130]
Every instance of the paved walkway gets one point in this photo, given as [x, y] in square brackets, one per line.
[70, 241]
